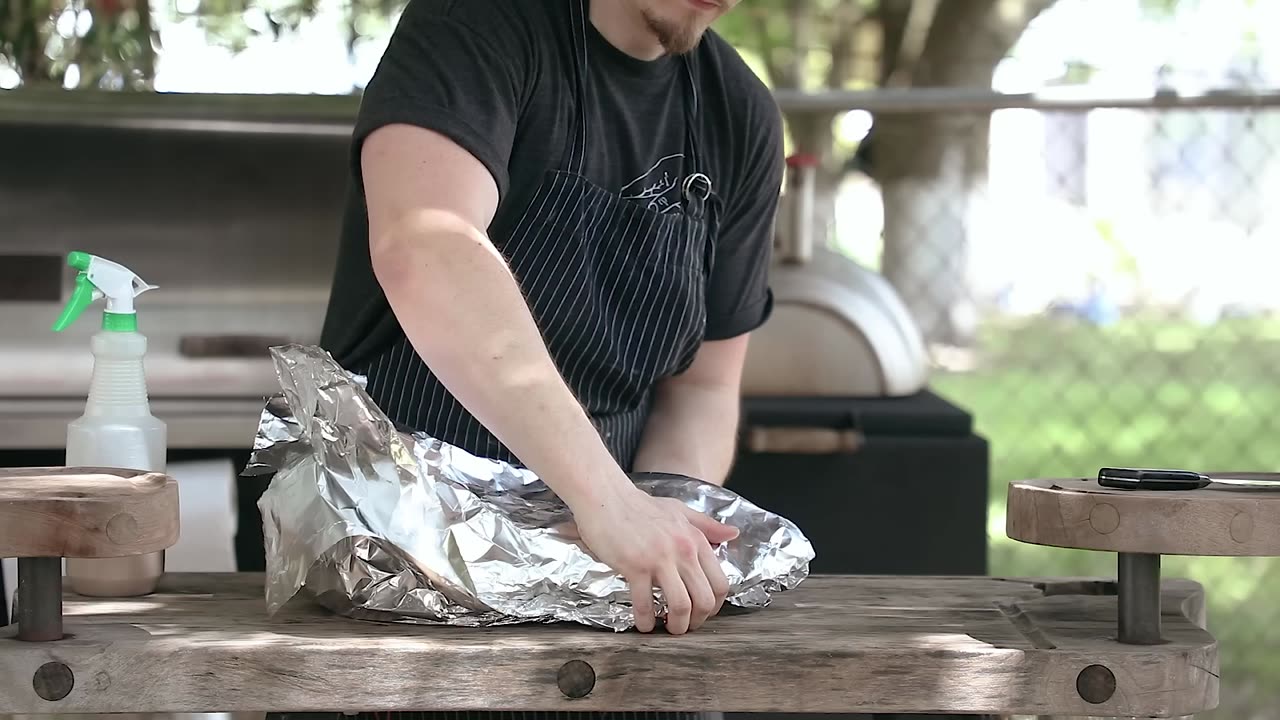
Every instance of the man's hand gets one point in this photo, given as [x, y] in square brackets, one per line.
[660, 542]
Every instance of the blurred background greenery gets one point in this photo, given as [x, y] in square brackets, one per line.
[1154, 392]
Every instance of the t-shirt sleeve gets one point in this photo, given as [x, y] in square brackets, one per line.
[739, 299]
[457, 68]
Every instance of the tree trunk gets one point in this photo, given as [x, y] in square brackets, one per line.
[21, 24]
[932, 174]
[148, 38]
[932, 167]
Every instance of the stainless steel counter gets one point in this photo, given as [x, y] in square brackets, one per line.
[211, 403]
[215, 424]
[231, 205]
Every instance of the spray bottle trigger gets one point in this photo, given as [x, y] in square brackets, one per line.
[84, 295]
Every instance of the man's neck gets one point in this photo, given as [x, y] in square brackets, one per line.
[625, 28]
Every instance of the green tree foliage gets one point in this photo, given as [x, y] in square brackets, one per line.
[816, 45]
[807, 44]
[232, 23]
[109, 44]
[112, 44]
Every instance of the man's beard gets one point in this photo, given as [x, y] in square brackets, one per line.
[676, 38]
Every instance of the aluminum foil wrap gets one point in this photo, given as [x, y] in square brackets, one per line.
[378, 523]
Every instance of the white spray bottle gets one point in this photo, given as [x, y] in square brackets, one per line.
[117, 429]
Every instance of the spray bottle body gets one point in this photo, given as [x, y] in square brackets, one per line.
[117, 430]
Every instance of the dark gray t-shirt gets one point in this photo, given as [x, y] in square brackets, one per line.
[497, 77]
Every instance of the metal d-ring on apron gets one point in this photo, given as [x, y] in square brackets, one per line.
[617, 288]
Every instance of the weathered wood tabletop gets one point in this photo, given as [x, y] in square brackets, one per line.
[846, 644]
[86, 512]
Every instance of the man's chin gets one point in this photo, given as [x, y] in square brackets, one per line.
[682, 42]
[684, 45]
[676, 36]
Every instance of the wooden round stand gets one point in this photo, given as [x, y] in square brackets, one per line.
[47, 514]
[1141, 526]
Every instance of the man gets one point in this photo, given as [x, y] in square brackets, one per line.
[555, 248]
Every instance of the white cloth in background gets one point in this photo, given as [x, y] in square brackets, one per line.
[207, 498]
[9, 574]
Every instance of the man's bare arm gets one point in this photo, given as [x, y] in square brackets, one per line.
[462, 310]
[693, 428]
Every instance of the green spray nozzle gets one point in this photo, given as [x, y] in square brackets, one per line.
[82, 297]
[101, 278]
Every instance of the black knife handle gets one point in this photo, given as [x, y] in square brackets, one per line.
[1151, 479]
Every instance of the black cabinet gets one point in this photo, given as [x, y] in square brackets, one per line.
[910, 499]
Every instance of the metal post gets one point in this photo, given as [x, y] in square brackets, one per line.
[39, 607]
[1138, 598]
[802, 207]
[797, 240]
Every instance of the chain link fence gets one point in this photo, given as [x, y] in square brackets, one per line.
[1097, 280]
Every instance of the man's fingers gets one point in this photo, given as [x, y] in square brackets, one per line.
[700, 592]
[679, 606]
[642, 602]
[716, 532]
[715, 576]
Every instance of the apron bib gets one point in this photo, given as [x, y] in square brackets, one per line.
[617, 289]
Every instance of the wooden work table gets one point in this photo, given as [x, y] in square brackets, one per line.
[203, 643]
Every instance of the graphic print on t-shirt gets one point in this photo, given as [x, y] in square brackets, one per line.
[659, 187]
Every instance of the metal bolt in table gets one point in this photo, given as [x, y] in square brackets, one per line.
[47, 514]
[1140, 526]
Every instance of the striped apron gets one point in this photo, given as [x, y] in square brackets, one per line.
[616, 288]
